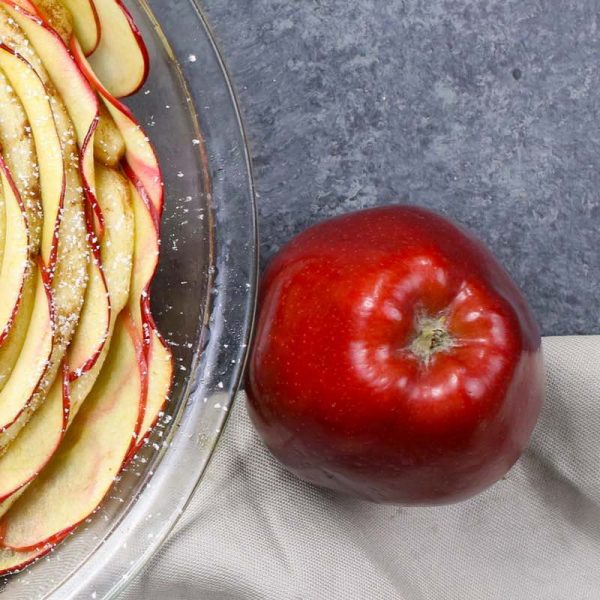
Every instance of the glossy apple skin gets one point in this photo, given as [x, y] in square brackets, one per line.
[336, 389]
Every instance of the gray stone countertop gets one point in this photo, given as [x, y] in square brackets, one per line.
[488, 112]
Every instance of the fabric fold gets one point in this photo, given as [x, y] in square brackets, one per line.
[254, 532]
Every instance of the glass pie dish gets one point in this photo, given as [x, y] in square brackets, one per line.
[203, 301]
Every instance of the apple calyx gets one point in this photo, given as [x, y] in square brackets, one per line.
[431, 337]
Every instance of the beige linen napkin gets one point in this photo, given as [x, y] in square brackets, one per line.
[254, 532]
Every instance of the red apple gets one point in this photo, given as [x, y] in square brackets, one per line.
[394, 359]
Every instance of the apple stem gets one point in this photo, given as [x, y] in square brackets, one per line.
[432, 337]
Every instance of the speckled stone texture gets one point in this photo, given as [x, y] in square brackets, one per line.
[488, 112]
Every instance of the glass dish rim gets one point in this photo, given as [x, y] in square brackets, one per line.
[88, 580]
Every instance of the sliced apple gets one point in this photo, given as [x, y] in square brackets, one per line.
[160, 378]
[157, 355]
[56, 68]
[13, 345]
[109, 146]
[32, 364]
[94, 328]
[117, 251]
[33, 95]
[67, 442]
[2, 224]
[139, 154]
[57, 16]
[85, 22]
[35, 445]
[121, 59]
[145, 253]
[38, 441]
[89, 458]
[12, 562]
[117, 244]
[67, 17]
[27, 6]
[15, 259]
[116, 256]
[20, 157]
[94, 321]
[64, 246]
[19, 154]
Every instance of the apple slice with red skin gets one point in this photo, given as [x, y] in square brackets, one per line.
[38, 441]
[15, 260]
[121, 59]
[33, 95]
[79, 98]
[32, 362]
[94, 322]
[13, 344]
[18, 150]
[57, 16]
[109, 145]
[27, 6]
[139, 154]
[157, 356]
[159, 364]
[2, 225]
[86, 23]
[82, 105]
[90, 456]
[144, 172]
[20, 158]
[116, 253]
[12, 562]
[36, 444]
[32, 365]
[64, 247]
[152, 357]
[67, 18]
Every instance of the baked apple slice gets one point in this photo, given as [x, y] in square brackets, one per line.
[88, 459]
[121, 59]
